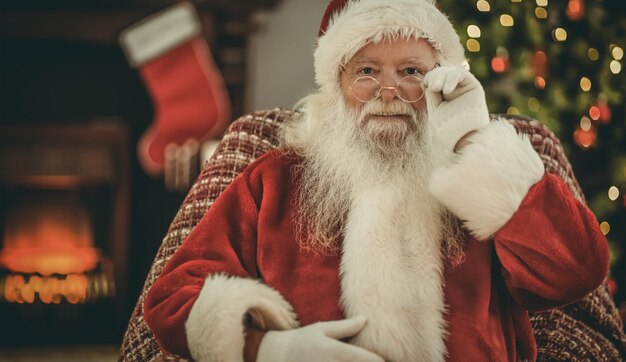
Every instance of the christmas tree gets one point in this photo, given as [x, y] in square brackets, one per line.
[561, 62]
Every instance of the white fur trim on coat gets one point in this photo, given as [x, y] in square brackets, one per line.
[488, 181]
[364, 21]
[215, 326]
[159, 33]
[391, 272]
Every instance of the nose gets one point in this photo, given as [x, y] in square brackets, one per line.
[388, 94]
[388, 91]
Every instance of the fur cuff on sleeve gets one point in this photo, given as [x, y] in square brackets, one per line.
[489, 179]
[215, 327]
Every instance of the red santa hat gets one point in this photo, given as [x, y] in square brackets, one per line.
[348, 25]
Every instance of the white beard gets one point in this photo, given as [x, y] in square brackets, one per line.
[367, 182]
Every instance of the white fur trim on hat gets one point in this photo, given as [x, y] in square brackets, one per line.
[364, 21]
[215, 326]
[490, 178]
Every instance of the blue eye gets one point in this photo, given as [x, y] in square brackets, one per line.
[365, 71]
[412, 71]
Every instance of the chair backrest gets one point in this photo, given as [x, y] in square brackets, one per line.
[590, 329]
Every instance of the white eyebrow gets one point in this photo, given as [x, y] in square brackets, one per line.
[413, 61]
[358, 60]
[410, 60]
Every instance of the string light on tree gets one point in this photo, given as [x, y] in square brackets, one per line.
[473, 31]
[513, 110]
[585, 139]
[600, 110]
[533, 104]
[500, 63]
[540, 82]
[473, 45]
[585, 84]
[593, 54]
[506, 20]
[613, 193]
[542, 2]
[575, 10]
[594, 112]
[483, 6]
[617, 53]
[605, 227]
[585, 123]
[541, 13]
[559, 34]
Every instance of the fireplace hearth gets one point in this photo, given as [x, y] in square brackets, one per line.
[64, 210]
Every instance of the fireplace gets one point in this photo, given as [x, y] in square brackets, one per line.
[64, 225]
[61, 67]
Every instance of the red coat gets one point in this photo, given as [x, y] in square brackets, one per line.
[548, 254]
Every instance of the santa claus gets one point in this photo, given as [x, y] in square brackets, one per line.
[395, 223]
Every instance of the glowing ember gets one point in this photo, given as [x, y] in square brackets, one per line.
[73, 288]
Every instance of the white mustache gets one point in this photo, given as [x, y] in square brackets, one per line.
[380, 108]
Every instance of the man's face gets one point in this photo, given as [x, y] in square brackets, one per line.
[388, 117]
[388, 62]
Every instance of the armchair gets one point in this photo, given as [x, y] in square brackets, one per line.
[588, 330]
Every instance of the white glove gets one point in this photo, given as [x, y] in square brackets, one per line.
[316, 342]
[456, 103]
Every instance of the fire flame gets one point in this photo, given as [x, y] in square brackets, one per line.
[48, 238]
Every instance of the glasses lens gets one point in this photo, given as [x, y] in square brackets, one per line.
[410, 89]
[365, 89]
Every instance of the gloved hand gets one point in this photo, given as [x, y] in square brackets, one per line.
[456, 102]
[316, 342]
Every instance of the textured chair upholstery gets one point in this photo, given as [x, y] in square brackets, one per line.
[588, 330]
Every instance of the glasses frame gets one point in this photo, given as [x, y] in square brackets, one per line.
[380, 88]
[395, 88]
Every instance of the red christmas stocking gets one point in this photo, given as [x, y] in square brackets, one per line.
[189, 95]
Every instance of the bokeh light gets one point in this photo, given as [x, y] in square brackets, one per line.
[540, 83]
[473, 31]
[473, 45]
[559, 34]
[585, 84]
[483, 6]
[506, 20]
[541, 13]
[615, 67]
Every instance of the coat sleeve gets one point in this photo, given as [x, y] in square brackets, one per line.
[551, 250]
[548, 243]
[197, 305]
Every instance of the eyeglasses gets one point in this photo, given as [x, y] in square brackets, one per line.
[408, 89]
